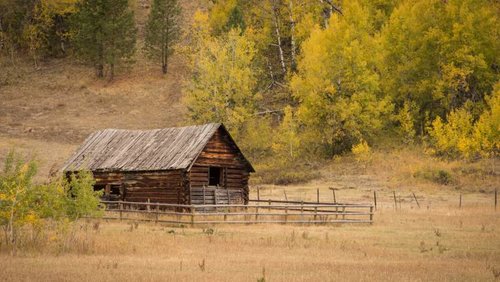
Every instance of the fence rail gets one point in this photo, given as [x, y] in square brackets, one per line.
[257, 211]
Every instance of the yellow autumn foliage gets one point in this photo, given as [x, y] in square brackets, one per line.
[462, 137]
[362, 151]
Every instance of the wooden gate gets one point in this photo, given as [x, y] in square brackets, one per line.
[215, 195]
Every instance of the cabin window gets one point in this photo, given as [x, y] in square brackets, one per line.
[115, 190]
[214, 176]
[110, 191]
[98, 187]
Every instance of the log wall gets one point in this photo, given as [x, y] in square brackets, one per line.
[157, 187]
[220, 152]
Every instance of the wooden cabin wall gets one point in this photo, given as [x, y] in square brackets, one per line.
[219, 152]
[157, 187]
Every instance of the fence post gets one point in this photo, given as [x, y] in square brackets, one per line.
[334, 196]
[192, 216]
[395, 202]
[215, 198]
[315, 213]
[460, 201]
[375, 198]
[258, 194]
[317, 195]
[302, 210]
[120, 205]
[415, 197]
[256, 213]
[286, 214]
[286, 198]
[496, 198]
[371, 214]
[203, 194]
[148, 207]
[157, 212]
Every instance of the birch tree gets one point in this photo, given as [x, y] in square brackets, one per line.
[337, 85]
[222, 87]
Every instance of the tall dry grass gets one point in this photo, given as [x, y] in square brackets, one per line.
[439, 242]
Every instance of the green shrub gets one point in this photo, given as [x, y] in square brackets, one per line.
[24, 203]
[438, 176]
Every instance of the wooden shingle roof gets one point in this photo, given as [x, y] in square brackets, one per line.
[141, 150]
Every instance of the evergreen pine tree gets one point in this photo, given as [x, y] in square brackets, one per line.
[104, 33]
[162, 30]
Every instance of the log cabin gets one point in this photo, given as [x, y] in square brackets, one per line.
[180, 165]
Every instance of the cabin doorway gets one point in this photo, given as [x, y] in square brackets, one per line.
[214, 176]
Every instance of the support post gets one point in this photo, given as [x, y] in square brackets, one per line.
[157, 212]
[496, 198]
[375, 198]
[317, 195]
[460, 201]
[395, 202]
[258, 195]
[286, 214]
[302, 210]
[415, 197]
[121, 210]
[204, 196]
[215, 198]
[371, 214]
[334, 196]
[286, 198]
[315, 213]
[257, 213]
[192, 216]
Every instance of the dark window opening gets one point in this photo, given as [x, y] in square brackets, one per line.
[111, 192]
[115, 190]
[214, 175]
[99, 187]
[114, 193]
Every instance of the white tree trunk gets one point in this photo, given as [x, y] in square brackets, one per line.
[292, 33]
[278, 36]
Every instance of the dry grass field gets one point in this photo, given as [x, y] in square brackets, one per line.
[436, 242]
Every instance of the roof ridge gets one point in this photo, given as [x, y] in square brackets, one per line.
[156, 129]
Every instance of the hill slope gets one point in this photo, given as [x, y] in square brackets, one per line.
[48, 112]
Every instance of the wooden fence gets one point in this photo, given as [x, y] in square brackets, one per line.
[257, 211]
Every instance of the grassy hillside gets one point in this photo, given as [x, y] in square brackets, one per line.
[48, 112]
[61, 103]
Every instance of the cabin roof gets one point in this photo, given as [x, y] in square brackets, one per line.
[144, 150]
